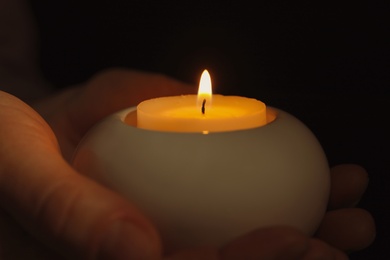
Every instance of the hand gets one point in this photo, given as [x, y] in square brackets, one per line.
[49, 211]
[56, 212]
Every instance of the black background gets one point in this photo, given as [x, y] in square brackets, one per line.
[327, 64]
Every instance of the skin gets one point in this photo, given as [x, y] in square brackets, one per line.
[50, 211]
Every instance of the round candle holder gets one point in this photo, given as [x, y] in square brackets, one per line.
[209, 188]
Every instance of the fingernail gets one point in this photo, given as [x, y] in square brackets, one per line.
[124, 240]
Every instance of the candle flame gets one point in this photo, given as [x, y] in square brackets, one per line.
[204, 91]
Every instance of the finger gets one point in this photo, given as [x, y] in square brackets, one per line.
[320, 250]
[75, 110]
[116, 89]
[348, 184]
[349, 230]
[63, 209]
[272, 243]
[267, 243]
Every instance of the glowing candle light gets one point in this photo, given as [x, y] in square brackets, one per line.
[204, 112]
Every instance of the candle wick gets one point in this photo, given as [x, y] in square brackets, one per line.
[204, 106]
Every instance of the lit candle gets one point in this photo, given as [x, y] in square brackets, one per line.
[201, 113]
[207, 189]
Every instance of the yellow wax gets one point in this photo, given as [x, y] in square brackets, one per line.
[184, 114]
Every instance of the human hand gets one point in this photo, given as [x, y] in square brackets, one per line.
[58, 212]
[49, 211]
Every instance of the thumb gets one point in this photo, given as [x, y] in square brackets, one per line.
[65, 210]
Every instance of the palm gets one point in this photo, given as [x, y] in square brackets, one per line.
[70, 115]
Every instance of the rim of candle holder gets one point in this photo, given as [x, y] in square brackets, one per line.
[129, 117]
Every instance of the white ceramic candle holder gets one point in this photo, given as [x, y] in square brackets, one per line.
[207, 189]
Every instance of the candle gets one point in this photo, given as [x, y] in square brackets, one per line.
[201, 113]
[207, 189]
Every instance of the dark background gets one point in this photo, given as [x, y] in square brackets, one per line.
[327, 64]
